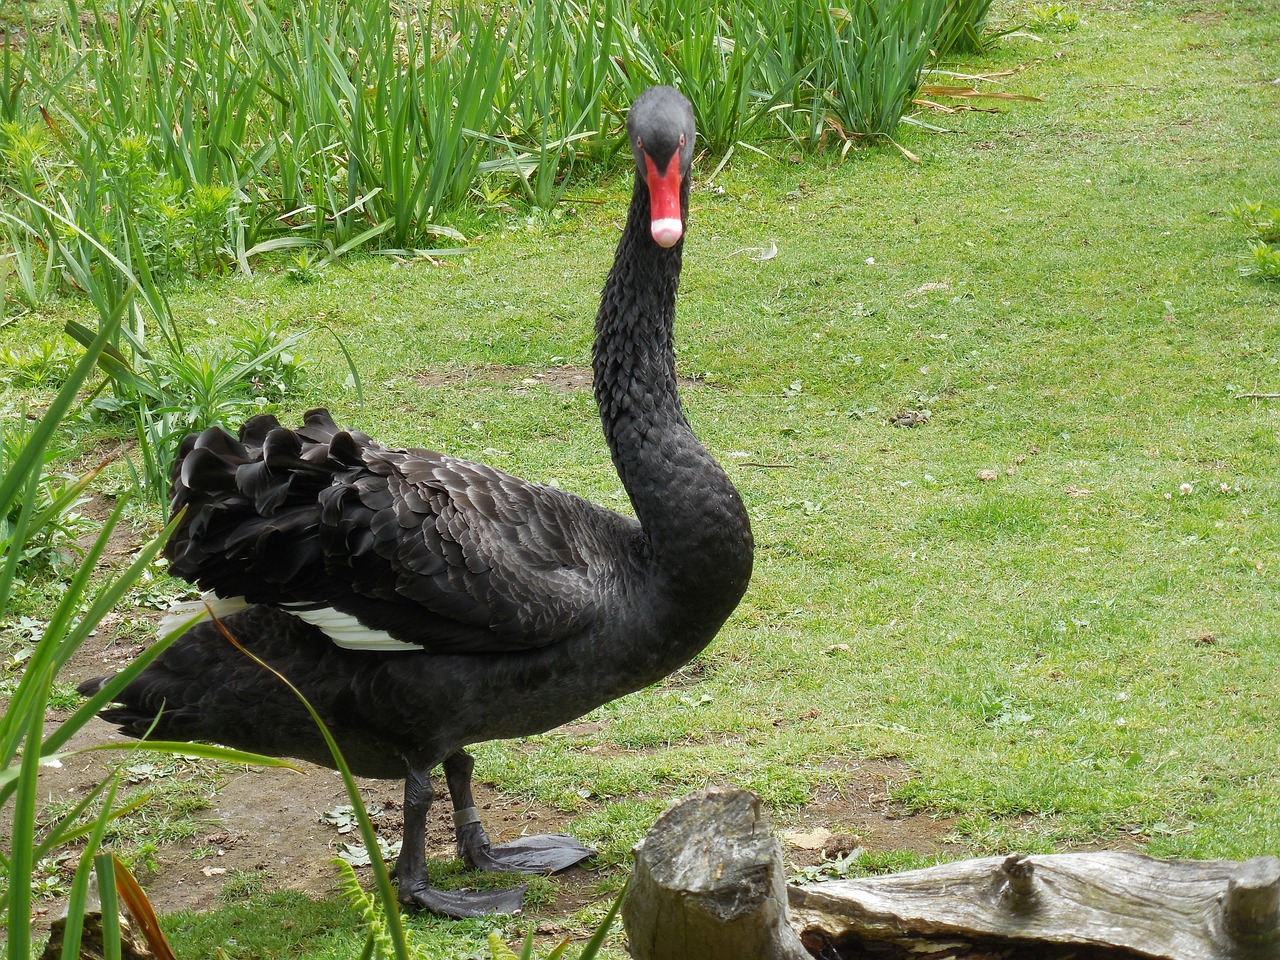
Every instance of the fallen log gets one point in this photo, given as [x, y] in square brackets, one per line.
[1110, 900]
[708, 874]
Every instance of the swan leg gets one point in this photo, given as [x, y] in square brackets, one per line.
[543, 853]
[411, 866]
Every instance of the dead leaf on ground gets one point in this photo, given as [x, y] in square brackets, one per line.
[986, 476]
[910, 418]
[993, 75]
[813, 840]
[905, 152]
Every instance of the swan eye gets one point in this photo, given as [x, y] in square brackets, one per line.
[639, 143]
[682, 139]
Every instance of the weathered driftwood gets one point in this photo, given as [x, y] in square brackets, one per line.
[708, 884]
[708, 875]
[1180, 910]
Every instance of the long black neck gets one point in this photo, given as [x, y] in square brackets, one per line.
[695, 526]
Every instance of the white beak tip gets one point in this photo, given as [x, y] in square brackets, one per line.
[666, 231]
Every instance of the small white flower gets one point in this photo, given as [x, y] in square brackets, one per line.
[1186, 489]
[871, 261]
[1224, 488]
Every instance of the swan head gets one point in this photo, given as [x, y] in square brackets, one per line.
[660, 129]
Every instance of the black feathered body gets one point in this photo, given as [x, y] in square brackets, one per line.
[439, 552]
[526, 606]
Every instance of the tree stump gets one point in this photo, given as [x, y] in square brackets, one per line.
[708, 884]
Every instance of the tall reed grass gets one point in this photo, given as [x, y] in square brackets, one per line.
[198, 135]
[227, 129]
[962, 29]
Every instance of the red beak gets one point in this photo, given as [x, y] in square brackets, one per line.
[665, 225]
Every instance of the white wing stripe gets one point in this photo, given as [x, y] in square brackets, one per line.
[342, 628]
[348, 632]
[180, 611]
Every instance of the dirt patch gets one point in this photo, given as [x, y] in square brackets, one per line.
[1204, 18]
[855, 811]
[265, 829]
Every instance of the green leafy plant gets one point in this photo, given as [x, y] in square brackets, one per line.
[47, 365]
[1264, 261]
[709, 50]
[561, 54]
[961, 28]
[1263, 221]
[25, 745]
[179, 390]
[871, 57]
[27, 163]
[380, 942]
[52, 525]
[1052, 18]
[197, 138]
[34, 262]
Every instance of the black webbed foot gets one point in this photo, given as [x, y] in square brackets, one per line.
[461, 904]
[541, 853]
[411, 865]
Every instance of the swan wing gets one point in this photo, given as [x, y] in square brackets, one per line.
[392, 549]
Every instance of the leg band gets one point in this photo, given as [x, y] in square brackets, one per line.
[462, 818]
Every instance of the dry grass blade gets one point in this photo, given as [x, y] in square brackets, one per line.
[905, 152]
[960, 93]
[955, 108]
[992, 75]
[139, 907]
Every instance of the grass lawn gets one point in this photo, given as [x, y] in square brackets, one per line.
[1055, 601]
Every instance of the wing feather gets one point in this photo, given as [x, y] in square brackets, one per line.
[443, 553]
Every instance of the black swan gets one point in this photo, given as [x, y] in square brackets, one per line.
[423, 603]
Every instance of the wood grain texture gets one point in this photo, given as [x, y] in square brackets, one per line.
[1179, 910]
[708, 883]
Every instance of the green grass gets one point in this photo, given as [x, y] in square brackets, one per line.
[298, 927]
[1074, 653]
